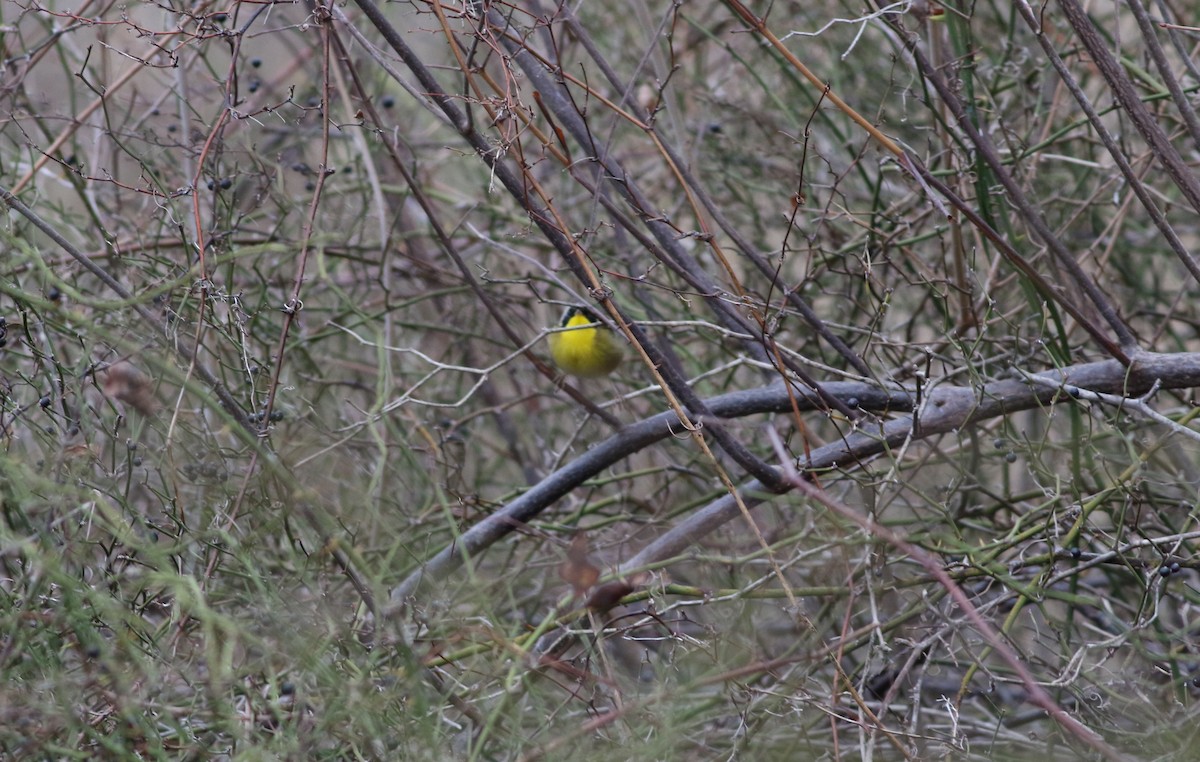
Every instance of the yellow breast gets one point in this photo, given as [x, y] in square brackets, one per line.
[584, 349]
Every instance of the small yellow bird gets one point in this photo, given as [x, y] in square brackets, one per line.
[586, 349]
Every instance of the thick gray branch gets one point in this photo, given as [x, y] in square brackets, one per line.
[943, 409]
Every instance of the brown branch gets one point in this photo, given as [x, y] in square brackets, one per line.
[922, 174]
[1125, 93]
[1025, 206]
[157, 325]
[1110, 144]
[1035, 692]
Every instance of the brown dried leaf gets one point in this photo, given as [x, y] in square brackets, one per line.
[578, 571]
[122, 381]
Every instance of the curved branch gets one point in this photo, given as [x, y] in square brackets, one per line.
[944, 409]
[631, 439]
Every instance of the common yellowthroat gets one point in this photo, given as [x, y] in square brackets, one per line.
[586, 349]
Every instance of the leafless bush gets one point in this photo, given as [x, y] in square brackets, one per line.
[900, 463]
